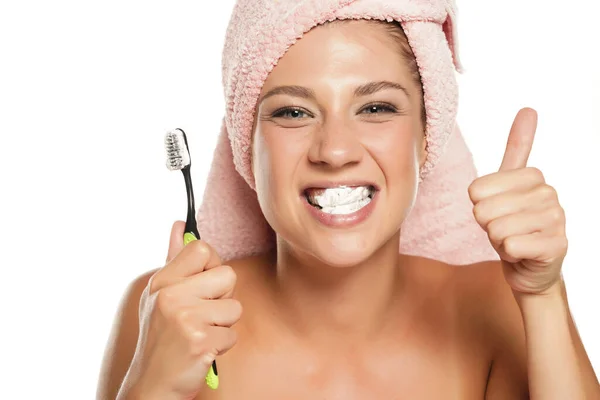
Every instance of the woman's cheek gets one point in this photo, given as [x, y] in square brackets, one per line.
[278, 152]
[395, 148]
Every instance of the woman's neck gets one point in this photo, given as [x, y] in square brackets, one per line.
[316, 300]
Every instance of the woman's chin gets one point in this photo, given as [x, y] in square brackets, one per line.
[344, 252]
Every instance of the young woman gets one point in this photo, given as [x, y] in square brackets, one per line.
[342, 130]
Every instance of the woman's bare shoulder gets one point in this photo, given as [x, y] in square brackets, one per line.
[485, 280]
[486, 296]
[478, 290]
[122, 340]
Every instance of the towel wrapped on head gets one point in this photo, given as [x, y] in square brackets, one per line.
[441, 225]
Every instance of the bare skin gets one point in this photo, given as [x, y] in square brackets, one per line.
[439, 341]
[453, 332]
[336, 313]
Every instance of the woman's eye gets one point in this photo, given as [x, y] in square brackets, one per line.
[290, 113]
[378, 109]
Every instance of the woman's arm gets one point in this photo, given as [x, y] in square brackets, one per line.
[557, 363]
[526, 225]
[122, 342]
[538, 353]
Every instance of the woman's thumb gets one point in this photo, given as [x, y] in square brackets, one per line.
[176, 239]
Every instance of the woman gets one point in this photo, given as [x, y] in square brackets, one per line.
[350, 145]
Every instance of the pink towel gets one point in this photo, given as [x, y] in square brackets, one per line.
[441, 224]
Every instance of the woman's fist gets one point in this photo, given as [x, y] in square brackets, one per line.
[521, 214]
[186, 314]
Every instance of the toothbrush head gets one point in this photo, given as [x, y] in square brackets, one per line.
[178, 153]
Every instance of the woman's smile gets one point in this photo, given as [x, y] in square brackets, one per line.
[340, 206]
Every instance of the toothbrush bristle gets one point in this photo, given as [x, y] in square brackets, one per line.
[178, 156]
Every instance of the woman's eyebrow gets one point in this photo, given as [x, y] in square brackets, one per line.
[306, 93]
[373, 87]
[296, 91]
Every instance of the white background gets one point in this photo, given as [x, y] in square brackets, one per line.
[88, 90]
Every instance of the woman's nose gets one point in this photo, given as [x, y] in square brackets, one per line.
[335, 145]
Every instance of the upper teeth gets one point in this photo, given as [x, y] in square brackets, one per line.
[339, 196]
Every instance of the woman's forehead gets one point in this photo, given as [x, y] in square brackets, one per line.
[343, 50]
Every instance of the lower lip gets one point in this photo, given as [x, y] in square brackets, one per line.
[341, 220]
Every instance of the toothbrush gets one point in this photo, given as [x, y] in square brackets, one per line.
[178, 158]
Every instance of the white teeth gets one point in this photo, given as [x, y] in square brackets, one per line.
[346, 208]
[341, 200]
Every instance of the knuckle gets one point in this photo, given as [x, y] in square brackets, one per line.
[547, 192]
[208, 356]
[182, 317]
[200, 249]
[474, 191]
[494, 230]
[564, 245]
[543, 191]
[510, 246]
[232, 339]
[477, 212]
[557, 214]
[536, 174]
[480, 213]
[198, 339]
[192, 330]
[198, 344]
[164, 299]
[236, 308]
[228, 274]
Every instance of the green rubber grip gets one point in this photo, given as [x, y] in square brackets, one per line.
[212, 379]
[188, 237]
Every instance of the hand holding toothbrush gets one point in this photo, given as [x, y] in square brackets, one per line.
[186, 314]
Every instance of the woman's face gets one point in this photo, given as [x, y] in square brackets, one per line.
[340, 109]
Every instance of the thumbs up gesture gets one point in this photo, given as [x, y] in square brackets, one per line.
[521, 214]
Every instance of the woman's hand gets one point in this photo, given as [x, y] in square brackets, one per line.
[186, 314]
[521, 214]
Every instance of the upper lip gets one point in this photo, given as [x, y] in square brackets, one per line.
[334, 184]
